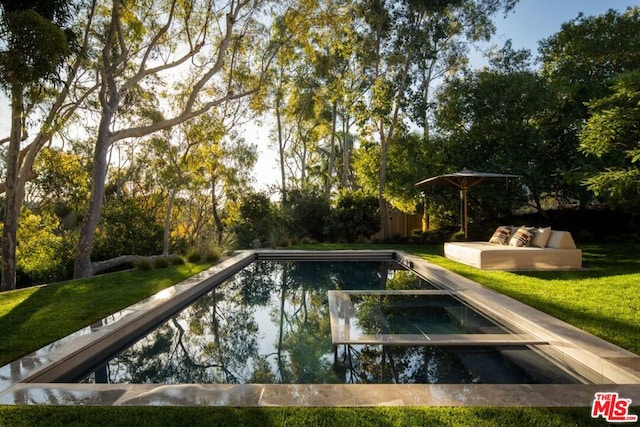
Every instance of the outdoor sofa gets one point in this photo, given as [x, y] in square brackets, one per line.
[539, 249]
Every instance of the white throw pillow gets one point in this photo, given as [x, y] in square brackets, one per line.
[541, 237]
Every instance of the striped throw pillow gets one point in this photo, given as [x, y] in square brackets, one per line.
[501, 235]
[522, 237]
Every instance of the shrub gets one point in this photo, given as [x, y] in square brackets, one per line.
[127, 226]
[355, 215]
[160, 262]
[176, 260]
[306, 240]
[194, 256]
[457, 236]
[211, 255]
[143, 264]
[306, 213]
[43, 254]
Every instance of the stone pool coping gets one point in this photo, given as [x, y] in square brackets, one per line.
[617, 369]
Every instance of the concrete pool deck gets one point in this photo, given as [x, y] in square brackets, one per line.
[612, 369]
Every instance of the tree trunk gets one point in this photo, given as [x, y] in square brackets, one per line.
[12, 205]
[82, 265]
[346, 151]
[214, 209]
[327, 182]
[167, 222]
[382, 203]
[281, 152]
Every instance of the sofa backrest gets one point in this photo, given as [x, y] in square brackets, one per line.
[561, 240]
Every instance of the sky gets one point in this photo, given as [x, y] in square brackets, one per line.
[530, 22]
[534, 20]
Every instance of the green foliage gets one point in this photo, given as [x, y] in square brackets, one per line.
[587, 52]
[354, 215]
[306, 214]
[63, 181]
[194, 256]
[35, 48]
[579, 63]
[489, 121]
[257, 221]
[176, 260]
[44, 255]
[211, 255]
[160, 262]
[203, 254]
[612, 134]
[457, 236]
[411, 158]
[127, 227]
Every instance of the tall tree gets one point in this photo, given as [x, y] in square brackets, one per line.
[408, 39]
[612, 134]
[34, 46]
[579, 63]
[490, 121]
[143, 43]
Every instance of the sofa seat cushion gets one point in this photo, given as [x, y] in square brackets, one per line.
[488, 256]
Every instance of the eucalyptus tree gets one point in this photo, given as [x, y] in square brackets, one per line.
[340, 83]
[411, 159]
[224, 174]
[33, 46]
[217, 49]
[292, 92]
[407, 45]
[316, 80]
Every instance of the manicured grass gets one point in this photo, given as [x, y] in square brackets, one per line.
[19, 416]
[33, 317]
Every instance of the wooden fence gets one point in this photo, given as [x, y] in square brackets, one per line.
[401, 224]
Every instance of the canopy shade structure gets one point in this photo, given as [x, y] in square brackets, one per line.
[464, 180]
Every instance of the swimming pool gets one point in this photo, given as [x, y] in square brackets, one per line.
[330, 322]
[584, 357]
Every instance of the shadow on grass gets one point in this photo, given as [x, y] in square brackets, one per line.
[54, 311]
[623, 333]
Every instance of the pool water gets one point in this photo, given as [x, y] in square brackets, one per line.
[273, 322]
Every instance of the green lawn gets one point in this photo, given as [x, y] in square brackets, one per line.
[33, 317]
[602, 300]
[65, 416]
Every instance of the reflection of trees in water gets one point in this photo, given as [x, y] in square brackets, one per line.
[381, 364]
[209, 342]
[270, 324]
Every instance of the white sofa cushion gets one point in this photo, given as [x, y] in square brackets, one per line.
[541, 237]
[559, 254]
[561, 240]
